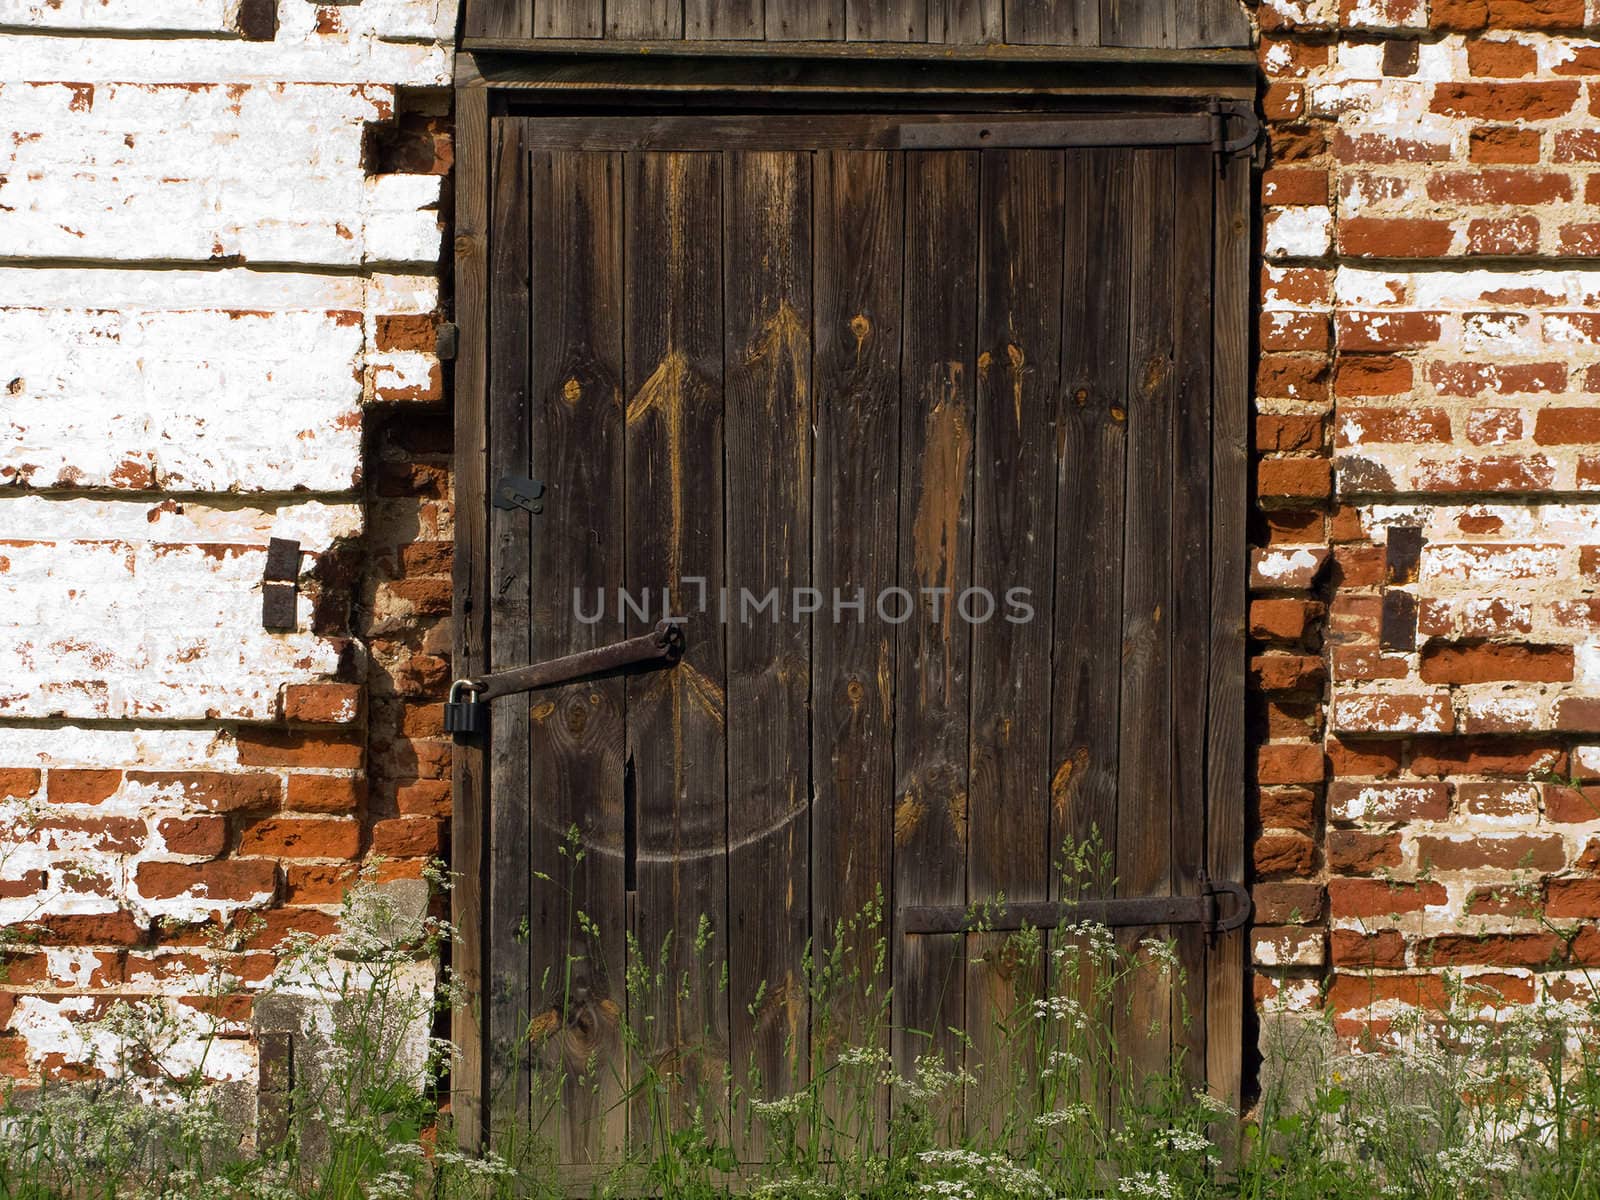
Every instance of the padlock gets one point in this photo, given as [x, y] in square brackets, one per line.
[469, 716]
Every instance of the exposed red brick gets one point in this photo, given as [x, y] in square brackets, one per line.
[322, 703]
[1356, 425]
[1351, 759]
[1275, 431]
[407, 837]
[1356, 949]
[1287, 903]
[1411, 800]
[1502, 236]
[1296, 477]
[226, 879]
[1493, 185]
[116, 928]
[301, 837]
[1282, 619]
[318, 883]
[424, 798]
[1490, 949]
[1380, 897]
[1354, 852]
[1372, 375]
[1476, 851]
[325, 793]
[1289, 763]
[1287, 808]
[1284, 854]
[1504, 144]
[206, 836]
[19, 783]
[1394, 237]
[1501, 60]
[278, 748]
[215, 791]
[1496, 757]
[1486, 662]
[1504, 101]
[403, 332]
[72, 786]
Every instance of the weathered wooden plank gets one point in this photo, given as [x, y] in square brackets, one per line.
[567, 19]
[886, 20]
[1139, 22]
[859, 205]
[1090, 499]
[734, 20]
[1191, 566]
[804, 20]
[1052, 22]
[937, 366]
[1225, 739]
[509, 994]
[646, 20]
[675, 718]
[576, 732]
[499, 18]
[470, 606]
[966, 22]
[1213, 23]
[1144, 783]
[767, 274]
[1010, 848]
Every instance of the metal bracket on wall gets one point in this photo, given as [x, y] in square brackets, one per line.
[280, 584]
[1235, 127]
[518, 491]
[1120, 911]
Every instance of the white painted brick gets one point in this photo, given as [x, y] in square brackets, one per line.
[103, 398]
[1299, 232]
[164, 16]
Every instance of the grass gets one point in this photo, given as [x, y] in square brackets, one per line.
[1479, 1100]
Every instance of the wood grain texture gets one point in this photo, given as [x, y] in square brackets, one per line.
[804, 20]
[1144, 783]
[886, 20]
[1053, 22]
[1010, 848]
[499, 18]
[966, 22]
[767, 273]
[937, 369]
[647, 20]
[735, 20]
[1191, 566]
[1213, 23]
[566, 19]
[1225, 757]
[576, 731]
[469, 608]
[859, 204]
[676, 718]
[508, 986]
[1139, 22]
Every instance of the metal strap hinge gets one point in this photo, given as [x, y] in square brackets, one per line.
[662, 646]
[1005, 916]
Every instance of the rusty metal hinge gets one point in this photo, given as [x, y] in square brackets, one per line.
[1120, 911]
[446, 340]
[1234, 127]
[661, 647]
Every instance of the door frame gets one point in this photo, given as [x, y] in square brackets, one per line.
[689, 77]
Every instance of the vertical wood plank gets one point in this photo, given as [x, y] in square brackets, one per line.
[575, 732]
[729, 20]
[676, 718]
[1191, 566]
[857, 287]
[469, 608]
[1090, 500]
[805, 20]
[767, 276]
[935, 555]
[966, 22]
[1052, 22]
[499, 18]
[1207, 24]
[1138, 22]
[886, 20]
[508, 991]
[1144, 784]
[1009, 847]
[644, 20]
[1225, 757]
[567, 19]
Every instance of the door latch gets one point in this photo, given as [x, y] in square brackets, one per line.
[661, 647]
[1118, 912]
[518, 491]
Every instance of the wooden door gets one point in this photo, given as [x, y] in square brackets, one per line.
[931, 430]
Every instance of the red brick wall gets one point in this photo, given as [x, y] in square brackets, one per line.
[1427, 680]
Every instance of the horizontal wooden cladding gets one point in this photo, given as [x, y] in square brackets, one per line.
[877, 132]
[903, 52]
[1140, 23]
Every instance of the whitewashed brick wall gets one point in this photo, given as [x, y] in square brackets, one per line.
[196, 268]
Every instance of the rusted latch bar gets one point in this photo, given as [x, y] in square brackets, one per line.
[1120, 911]
[662, 646]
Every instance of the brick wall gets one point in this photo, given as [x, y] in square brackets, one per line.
[220, 236]
[1425, 606]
